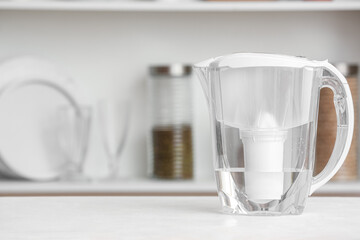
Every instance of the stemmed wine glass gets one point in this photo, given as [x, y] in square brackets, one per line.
[113, 124]
[73, 134]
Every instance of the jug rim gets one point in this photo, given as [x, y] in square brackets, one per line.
[244, 60]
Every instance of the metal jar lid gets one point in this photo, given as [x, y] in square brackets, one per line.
[347, 69]
[172, 70]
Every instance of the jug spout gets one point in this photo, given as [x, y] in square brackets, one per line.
[201, 70]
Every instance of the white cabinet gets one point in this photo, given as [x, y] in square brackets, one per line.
[107, 46]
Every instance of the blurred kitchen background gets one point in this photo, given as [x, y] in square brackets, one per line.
[121, 51]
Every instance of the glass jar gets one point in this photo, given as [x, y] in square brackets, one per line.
[170, 131]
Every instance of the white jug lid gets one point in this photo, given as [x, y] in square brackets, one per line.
[240, 60]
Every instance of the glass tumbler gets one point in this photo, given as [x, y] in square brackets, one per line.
[73, 135]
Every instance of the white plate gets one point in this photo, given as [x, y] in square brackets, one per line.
[30, 91]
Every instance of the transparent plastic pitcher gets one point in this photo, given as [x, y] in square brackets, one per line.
[263, 111]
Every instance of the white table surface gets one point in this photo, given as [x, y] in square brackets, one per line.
[169, 218]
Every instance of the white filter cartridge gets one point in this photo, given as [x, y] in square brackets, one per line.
[263, 154]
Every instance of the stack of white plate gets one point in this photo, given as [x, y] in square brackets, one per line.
[30, 91]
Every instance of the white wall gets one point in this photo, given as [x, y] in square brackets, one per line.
[108, 54]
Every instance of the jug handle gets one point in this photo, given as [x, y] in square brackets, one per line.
[345, 124]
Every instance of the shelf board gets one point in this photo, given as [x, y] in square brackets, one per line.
[185, 6]
[128, 186]
[143, 187]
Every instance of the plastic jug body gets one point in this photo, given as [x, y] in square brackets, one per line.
[263, 112]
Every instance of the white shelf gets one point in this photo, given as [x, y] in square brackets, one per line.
[122, 187]
[143, 187]
[189, 6]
